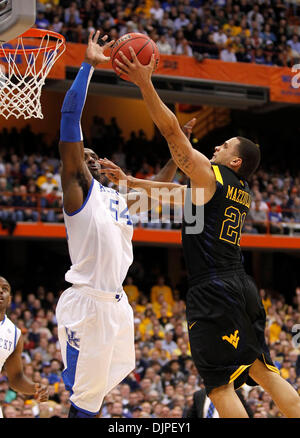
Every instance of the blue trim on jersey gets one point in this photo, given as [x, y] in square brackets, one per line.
[86, 200]
[15, 341]
[2, 322]
[68, 374]
[84, 410]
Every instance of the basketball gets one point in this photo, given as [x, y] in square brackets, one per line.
[143, 46]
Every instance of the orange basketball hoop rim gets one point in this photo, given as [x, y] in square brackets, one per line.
[34, 33]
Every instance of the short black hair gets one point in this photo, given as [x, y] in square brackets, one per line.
[249, 152]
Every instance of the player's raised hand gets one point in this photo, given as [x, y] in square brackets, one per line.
[137, 72]
[113, 172]
[94, 54]
[188, 127]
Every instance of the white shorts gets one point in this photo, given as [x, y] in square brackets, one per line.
[96, 335]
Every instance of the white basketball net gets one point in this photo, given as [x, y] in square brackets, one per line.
[20, 91]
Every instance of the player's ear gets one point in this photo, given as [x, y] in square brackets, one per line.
[236, 162]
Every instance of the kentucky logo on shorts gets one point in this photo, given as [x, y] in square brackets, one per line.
[233, 339]
[72, 340]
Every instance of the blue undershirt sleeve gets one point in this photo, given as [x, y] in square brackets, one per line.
[70, 125]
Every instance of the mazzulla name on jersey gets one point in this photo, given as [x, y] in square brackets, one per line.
[238, 195]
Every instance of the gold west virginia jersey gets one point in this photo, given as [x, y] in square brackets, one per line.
[217, 247]
[226, 318]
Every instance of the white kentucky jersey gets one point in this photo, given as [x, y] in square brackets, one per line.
[100, 240]
[9, 336]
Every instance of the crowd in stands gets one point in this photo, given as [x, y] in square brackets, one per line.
[165, 378]
[262, 32]
[30, 184]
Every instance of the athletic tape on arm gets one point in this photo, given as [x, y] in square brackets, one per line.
[70, 126]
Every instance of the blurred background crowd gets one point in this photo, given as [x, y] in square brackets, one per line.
[165, 379]
[263, 31]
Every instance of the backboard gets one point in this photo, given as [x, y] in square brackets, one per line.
[16, 16]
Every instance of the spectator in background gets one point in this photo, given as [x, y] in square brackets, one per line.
[294, 43]
[242, 55]
[169, 344]
[71, 14]
[220, 38]
[156, 11]
[161, 288]
[267, 34]
[296, 211]
[131, 289]
[227, 54]
[10, 411]
[48, 374]
[259, 214]
[164, 46]
[259, 57]
[183, 48]
[41, 21]
[160, 305]
[54, 203]
[254, 16]
[181, 21]
[25, 205]
[49, 183]
[255, 40]
[275, 219]
[57, 24]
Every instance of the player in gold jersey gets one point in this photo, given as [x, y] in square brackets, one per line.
[225, 314]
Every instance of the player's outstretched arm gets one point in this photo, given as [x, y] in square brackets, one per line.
[17, 379]
[156, 190]
[194, 164]
[168, 171]
[76, 177]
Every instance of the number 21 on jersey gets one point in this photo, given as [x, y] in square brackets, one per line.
[232, 225]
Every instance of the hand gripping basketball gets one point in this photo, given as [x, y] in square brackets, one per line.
[136, 72]
[143, 48]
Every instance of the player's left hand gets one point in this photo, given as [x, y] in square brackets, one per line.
[94, 54]
[41, 393]
[137, 72]
[113, 172]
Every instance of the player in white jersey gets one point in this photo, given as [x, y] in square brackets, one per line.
[11, 348]
[95, 320]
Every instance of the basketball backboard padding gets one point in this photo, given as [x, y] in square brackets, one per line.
[16, 17]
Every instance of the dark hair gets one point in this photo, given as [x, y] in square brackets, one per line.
[249, 152]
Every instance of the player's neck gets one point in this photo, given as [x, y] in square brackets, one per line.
[2, 316]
